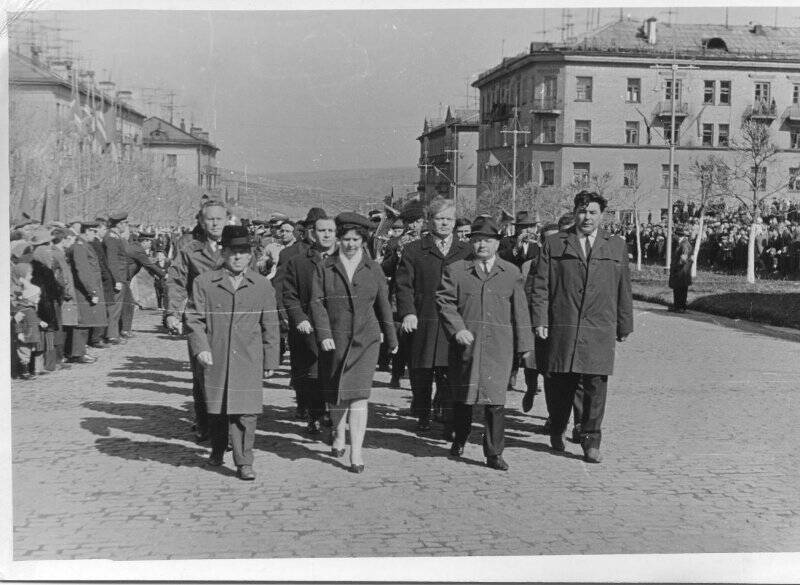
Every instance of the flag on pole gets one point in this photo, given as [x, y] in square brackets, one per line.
[493, 160]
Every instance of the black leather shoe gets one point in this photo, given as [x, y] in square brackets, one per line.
[201, 436]
[127, 334]
[497, 462]
[337, 452]
[356, 468]
[84, 359]
[557, 443]
[100, 345]
[313, 427]
[116, 341]
[592, 455]
[456, 450]
[215, 460]
[576, 433]
[527, 401]
[394, 382]
[246, 473]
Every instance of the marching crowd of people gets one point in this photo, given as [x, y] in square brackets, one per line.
[462, 305]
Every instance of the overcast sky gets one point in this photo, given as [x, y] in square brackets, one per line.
[313, 90]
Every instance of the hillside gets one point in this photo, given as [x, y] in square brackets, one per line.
[335, 191]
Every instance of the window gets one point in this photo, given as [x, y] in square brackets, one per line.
[668, 133]
[548, 130]
[580, 174]
[796, 93]
[794, 179]
[550, 87]
[583, 132]
[762, 92]
[794, 138]
[709, 88]
[172, 160]
[723, 135]
[631, 132]
[760, 177]
[548, 173]
[630, 175]
[724, 93]
[584, 93]
[634, 93]
[668, 90]
[665, 176]
[708, 134]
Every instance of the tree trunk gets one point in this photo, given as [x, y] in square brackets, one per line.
[697, 242]
[638, 241]
[751, 254]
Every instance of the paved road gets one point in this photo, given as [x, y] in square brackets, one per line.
[700, 456]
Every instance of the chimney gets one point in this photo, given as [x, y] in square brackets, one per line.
[650, 30]
[183, 125]
[203, 136]
[194, 130]
[35, 52]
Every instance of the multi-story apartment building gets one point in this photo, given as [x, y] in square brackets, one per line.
[600, 106]
[188, 155]
[448, 158]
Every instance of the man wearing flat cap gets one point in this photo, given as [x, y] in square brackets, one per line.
[485, 315]
[232, 324]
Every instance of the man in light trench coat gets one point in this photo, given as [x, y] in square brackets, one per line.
[232, 322]
[484, 313]
[581, 303]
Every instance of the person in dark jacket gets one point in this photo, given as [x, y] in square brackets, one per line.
[680, 272]
[484, 312]
[99, 335]
[522, 246]
[418, 276]
[233, 334]
[297, 287]
[114, 243]
[349, 311]
[582, 304]
[86, 274]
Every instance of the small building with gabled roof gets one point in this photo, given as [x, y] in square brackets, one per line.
[188, 155]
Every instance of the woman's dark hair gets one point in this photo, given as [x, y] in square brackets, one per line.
[584, 198]
[360, 230]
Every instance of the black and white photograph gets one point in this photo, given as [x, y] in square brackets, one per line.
[402, 292]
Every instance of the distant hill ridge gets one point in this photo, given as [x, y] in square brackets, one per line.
[293, 193]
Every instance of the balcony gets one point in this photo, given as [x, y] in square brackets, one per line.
[664, 109]
[499, 113]
[547, 105]
[761, 111]
[792, 113]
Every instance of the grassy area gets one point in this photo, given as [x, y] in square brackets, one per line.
[775, 302]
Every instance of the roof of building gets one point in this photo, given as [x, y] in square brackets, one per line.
[158, 131]
[695, 41]
[459, 116]
[25, 71]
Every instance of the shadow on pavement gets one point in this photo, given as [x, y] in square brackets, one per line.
[154, 377]
[152, 386]
[159, 364]
[156, 420]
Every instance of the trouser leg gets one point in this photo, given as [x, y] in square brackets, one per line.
[128, 308]
[198, 394]
[314, 399]
[462, 423]
[50, 356]
[532, 380]
[242, 431]
[421, 389]
[594, 407]
[547, 382]
[444, 395]
[561, 400]
[577, 403]
[96, 334]
[80, 336]
[218, 431]
[115, 313]
[494, 434]
[680, 295]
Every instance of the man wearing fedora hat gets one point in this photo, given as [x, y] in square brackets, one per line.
[680, 271]
[484, 312]
[232, 327]
[522, 246]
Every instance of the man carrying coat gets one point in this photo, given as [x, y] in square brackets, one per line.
[581, 303]
[484, 312]
[232, 324]
[418, 276]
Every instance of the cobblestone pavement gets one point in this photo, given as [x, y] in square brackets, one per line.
[700, 451]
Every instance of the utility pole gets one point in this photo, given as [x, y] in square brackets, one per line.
[514, 133]
[455, 152]
[674, 67]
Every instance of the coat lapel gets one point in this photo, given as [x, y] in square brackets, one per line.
[574, 242]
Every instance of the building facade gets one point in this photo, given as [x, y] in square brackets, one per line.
[448, 158]
[602, 107]
[187, 154]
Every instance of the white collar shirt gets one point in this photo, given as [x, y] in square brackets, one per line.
[350, 264]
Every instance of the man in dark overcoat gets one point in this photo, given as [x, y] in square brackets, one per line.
[680, 271]
[297, 296]
[114, 243]
[522, 246]
[88, 293]
[232, 323]
[581, 303]
[99, 335]
[195, 257]
[418, 276]
[485, 314]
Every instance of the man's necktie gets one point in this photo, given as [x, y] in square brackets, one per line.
[486, 267]
[587, 247]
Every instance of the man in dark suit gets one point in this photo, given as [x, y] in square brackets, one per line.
[114, 243]
[522, 246]
[582, 304]
[418, 276]
[99, 335]
[296, 289]
[680, 271]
